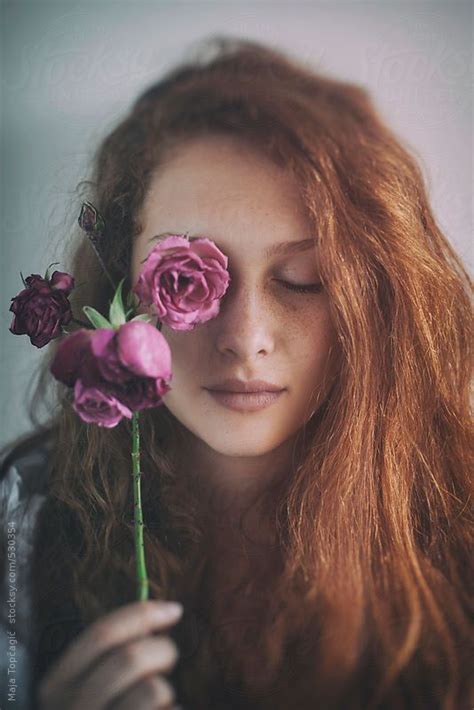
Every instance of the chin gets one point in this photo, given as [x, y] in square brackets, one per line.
[246, 445]
[239, 449]
[238, 437]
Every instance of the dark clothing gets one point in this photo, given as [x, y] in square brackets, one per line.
[33, 646]
[23, 489]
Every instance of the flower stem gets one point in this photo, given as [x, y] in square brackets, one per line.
[102, 262]
[142, 579]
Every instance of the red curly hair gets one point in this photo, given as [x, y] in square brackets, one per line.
[365, 601]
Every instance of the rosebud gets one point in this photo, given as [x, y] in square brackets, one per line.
[90, 220]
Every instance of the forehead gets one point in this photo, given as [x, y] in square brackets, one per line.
[223, 188]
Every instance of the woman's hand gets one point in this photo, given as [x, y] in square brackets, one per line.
[116, 663]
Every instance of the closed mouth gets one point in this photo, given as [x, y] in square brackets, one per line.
[245, 401]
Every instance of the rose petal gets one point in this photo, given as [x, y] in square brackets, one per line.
[62, 281]
[144, 350]
[70, 356]
[96, 406]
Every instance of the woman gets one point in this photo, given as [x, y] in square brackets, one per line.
[317, 537]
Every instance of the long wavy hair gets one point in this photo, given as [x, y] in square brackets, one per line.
[365, 600]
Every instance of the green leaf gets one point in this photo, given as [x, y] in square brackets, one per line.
[130, 299]
[117, 311]
[96, 318]
[144, 316]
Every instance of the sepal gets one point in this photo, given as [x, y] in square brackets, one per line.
[96, 318]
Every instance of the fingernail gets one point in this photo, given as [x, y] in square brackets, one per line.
[172, 608]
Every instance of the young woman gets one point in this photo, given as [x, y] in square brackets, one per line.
[318, 536]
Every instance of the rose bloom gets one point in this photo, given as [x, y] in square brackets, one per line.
[42, 308]
[136, 361]
[274, 321]
[130, 367]
[183, 282]
[95, 406]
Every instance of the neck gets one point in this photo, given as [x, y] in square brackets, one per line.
[228, 485]
[237, 494]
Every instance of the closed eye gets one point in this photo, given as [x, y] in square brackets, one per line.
[301, 288]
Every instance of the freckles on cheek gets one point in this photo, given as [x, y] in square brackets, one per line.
[185, 353]
[312, 334]
[177, 347]
[301, 321]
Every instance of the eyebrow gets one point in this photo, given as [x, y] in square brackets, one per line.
[283, 248]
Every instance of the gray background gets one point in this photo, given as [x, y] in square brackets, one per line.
[69, 70]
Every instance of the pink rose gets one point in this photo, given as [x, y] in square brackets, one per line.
[42, 308]
[184, 281]
[136, 348]
[130, 366]
[135, 362]
[98, 407]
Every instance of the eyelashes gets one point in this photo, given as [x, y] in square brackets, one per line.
[309, 288]
[300, 288]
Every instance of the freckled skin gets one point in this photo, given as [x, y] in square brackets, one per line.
[222, 189]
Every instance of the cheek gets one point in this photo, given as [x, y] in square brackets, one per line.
[317, 354]
[138, 255]
[186, 354]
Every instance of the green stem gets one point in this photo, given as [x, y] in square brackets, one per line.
[100, 260]
[142, 579]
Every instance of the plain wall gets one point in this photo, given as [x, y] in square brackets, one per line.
[70, 70]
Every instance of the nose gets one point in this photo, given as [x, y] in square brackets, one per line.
[245, 325]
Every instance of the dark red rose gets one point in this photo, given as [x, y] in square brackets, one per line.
[140, 392]
[42, 308]
[73, 359]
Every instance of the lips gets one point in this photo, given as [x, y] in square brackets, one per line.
[245, 401]
[244, 386]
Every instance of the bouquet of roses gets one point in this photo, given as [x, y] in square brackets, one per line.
[120, 364]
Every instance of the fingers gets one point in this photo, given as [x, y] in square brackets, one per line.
[150, 693]
[116, 628]
[124, 667]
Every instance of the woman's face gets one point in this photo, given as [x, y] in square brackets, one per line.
[220, 188]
